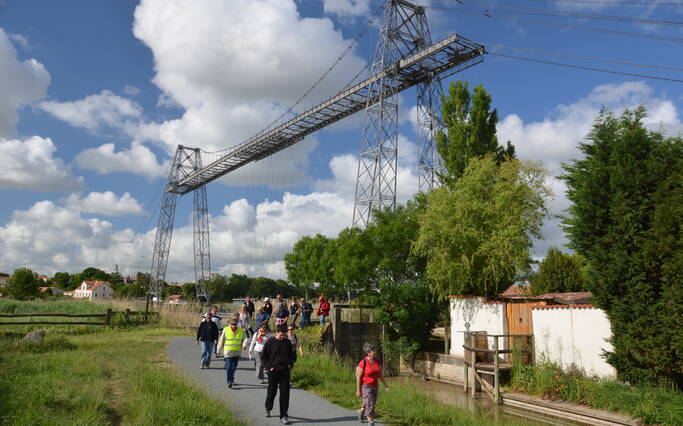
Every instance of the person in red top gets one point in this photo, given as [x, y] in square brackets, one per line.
[323, 309]
[368, 375]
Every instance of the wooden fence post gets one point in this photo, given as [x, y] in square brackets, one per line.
[496, 372]
[126, 316]
[473, 363]
[465, 378]
[107, 319]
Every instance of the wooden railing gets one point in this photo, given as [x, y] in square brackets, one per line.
[106, 319]
[474, 370]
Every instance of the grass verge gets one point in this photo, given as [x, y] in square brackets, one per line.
[333, 378]
[654, 405]
[110, 377]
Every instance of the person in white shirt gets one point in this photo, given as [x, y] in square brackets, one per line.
[255, 350]
[217, 319]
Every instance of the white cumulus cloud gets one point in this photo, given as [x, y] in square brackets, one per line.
[21, 83]
[347, 7]
[238, 77]
[105, 159]
[94, 112]
[106, 203]
[30, 164]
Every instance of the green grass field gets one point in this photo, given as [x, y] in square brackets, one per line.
[99, 377]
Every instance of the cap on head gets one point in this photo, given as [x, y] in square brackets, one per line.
[369, 347]
[233, 321]
[321, 298]
[265, 299]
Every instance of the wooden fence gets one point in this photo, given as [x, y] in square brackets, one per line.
[128, 317]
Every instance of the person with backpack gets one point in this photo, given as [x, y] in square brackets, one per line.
[368, 375]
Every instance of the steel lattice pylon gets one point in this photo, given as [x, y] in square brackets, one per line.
[428, 123]
[185, 162]
[202, 252]
[405, 57]
[404, 32]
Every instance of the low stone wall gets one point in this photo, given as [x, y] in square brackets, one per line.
[440, 367]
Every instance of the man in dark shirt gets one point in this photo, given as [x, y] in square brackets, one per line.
[207, 334]
[306, 310]
[250, 306]
[277, 359]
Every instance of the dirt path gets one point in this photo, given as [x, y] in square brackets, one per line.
[247, 400]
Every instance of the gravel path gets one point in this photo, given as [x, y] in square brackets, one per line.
[247, 399]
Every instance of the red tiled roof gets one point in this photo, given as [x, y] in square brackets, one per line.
[175, 296]
[92, 285]
[588, 306]
[517, 290]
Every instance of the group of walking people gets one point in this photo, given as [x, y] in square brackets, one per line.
[274, 355]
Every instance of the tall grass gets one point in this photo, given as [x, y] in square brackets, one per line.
[111, 377]
[57, 306]
[654, 405]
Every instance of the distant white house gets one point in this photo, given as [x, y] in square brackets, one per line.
[93, 290]
[4, 281]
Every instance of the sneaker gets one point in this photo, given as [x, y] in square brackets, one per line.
[203, 367]
[371, 423]
[285, 420]
[267, 413]
[262, 382]
[230, 385]
[361, 416]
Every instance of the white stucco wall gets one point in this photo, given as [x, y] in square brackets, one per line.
[475, 314]
[573, 335]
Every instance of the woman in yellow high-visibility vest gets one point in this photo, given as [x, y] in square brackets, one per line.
[231, 342]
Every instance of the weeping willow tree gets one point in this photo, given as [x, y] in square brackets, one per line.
[477, 233]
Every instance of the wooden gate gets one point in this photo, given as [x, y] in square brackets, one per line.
[519, 318]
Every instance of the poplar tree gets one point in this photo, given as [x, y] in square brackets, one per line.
[470, 130]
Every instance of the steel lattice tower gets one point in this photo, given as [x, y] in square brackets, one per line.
[405, 57]
[185, 162]
[428, 105]
[404, 32]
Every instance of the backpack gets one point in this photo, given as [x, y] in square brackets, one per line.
[355, 372]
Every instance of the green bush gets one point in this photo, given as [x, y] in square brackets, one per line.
[654, 405]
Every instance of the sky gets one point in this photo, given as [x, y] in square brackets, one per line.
[96, 96]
